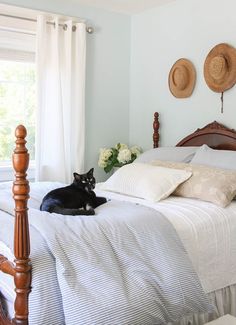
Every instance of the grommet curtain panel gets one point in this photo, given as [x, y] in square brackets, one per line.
[60, 122]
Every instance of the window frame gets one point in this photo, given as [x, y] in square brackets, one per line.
[15, 51]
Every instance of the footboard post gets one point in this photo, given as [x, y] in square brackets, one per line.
[21, 238]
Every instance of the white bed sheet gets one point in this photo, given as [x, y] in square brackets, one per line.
[207, 231]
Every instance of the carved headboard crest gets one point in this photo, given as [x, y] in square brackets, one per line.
[216, 126]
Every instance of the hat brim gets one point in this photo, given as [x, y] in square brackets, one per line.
[229, 80]
[188, 89]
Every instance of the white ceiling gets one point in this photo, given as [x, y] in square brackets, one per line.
[124, 6]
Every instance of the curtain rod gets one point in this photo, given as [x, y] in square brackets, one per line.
[89, 29]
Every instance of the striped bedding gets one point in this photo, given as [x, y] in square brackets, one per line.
[207, 232]
[44, 308]
[144, 277]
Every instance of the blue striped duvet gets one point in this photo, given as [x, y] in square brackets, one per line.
[126, 265]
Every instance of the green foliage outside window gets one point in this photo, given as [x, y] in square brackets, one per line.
[17, 105]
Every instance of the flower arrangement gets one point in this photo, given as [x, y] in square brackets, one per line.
[117, 156]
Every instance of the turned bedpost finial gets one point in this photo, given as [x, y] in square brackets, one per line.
[156, 126]
[20, 189]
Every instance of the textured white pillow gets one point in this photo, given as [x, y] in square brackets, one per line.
[207, 183]
[152, 183]
[181, 154]
[205, 155]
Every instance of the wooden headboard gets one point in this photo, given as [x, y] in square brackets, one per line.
[215, 135]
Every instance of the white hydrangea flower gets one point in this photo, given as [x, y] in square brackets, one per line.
[121, 146]
[102, 151]
[105, 154]
[124, 156]
[102, 163]
[136, 150]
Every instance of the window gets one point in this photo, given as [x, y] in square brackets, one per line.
[17, 106]
[17, 86]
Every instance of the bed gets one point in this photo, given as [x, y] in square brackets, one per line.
[199, 224]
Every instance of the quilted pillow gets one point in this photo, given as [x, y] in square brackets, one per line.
[145, 181]
[207, 183]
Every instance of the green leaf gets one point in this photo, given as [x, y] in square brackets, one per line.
[108, 168]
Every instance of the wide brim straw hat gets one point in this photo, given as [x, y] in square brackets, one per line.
[220, 68]
[182, 78]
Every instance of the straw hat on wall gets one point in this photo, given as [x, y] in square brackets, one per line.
[182, 78]
[220, 68]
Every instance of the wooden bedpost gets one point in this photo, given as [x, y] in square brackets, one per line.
[21, 238]
[156, 125]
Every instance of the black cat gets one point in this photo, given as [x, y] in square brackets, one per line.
[75, 199]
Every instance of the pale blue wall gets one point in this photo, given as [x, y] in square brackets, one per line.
[123, 89]
[184, 28]
[108, 67]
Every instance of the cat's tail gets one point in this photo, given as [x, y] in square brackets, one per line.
[100, 200]
[72, 212]
[48, 204]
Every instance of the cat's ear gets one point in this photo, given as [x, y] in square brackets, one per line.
[76, 176]
[90, 172]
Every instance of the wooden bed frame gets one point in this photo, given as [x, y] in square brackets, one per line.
[21, 268]
[214, 134]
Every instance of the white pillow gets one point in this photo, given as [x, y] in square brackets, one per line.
[207, 183]
[152, 183]
[177, 154]
[225, 159]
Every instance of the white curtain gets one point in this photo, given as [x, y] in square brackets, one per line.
[60, 131]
